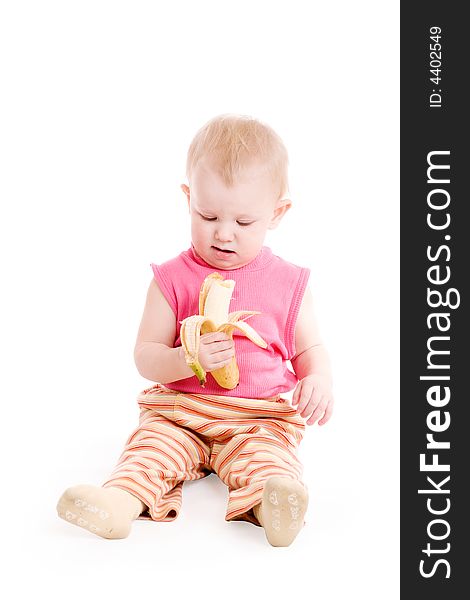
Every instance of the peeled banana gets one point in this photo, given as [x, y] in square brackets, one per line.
[214, 300]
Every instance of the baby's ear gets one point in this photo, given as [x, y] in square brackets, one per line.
[185, 189]
[281, 209]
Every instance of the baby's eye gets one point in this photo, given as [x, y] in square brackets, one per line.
[208, 218]
[243, 224]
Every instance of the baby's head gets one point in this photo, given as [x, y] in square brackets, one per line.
[238, 186]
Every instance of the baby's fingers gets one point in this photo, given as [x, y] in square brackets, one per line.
[295, 396]
[327, 415]
[312, 405]
[305, 393]
[319, 411]
[323, 410]
[214, 336]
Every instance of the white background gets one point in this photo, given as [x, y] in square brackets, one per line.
[100, 101]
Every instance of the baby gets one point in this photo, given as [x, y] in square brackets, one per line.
[248, 436]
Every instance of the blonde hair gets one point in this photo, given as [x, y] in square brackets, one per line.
[234, 143]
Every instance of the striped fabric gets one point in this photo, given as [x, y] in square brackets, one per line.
[184, 437]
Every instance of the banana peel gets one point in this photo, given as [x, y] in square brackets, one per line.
[214, 299]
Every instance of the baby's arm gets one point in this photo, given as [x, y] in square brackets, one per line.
[156, 358]
[154, 355]
[311, 364]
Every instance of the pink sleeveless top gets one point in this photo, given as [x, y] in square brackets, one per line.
[268, 284]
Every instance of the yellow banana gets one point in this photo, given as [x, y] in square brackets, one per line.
[214, 300]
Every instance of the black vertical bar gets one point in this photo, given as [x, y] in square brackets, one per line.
[435, 259]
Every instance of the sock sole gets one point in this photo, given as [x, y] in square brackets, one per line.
[92, 508]
[283, 507]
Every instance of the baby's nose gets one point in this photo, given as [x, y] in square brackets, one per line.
[224, 233]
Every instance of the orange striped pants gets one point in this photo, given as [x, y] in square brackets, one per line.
[183, 437]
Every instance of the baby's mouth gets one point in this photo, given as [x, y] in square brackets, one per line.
[223, 250]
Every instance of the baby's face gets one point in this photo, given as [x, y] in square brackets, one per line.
[231, 218]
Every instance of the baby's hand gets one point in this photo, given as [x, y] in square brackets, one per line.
[216, 350]
[314, 397]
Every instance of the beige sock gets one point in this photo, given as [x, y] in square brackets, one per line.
[106, 511]
[282, 510]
